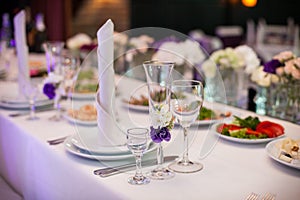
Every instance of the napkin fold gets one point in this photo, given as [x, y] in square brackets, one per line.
[22, 50]
[109, 132]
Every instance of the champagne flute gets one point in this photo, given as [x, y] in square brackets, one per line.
[186, 102]
[137, 144]
[31, 91]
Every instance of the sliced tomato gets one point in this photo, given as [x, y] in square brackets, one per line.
[230, 127]
[249, 131]
[270, 128]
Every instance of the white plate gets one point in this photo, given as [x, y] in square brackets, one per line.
[84, 96]
[273, 152]
[78, 121]
[21, 100]
[8, 105]
[86, 154]
[89, 142]
[242, 140]
[136, 107]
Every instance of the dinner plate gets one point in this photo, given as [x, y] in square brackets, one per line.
[136, 107]
[273, 152]
[86, 154]
[89, 142]
[78, 121]
[17, 104]
[83, 96]
[242, 140]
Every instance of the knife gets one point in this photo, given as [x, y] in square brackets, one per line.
[109, 171]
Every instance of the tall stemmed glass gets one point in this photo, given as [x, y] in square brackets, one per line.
[186, 102]
[137, 144]
[53, 52]
[158, 80]
[31, 91]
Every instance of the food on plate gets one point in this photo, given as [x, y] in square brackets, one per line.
[86, 112]
[250, 128]
[141, 101]
[288, 150]
[209, 114]
[87, 81]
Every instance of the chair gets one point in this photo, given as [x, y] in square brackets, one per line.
[273, 39]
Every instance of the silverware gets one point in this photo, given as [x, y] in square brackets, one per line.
[252, 196]
[269, 196]
[109, 171]
[57, 140]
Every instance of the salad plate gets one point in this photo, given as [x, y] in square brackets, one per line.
[71, 148]
[140, 108]
[272, 150]
[242, 140]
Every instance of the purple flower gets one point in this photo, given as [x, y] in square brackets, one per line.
[160, 134]
[271, 66]
[49, 90]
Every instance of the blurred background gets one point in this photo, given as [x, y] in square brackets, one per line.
[64, 18]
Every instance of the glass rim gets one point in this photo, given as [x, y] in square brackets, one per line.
[157, 62]
[145, 131]
[186, 81]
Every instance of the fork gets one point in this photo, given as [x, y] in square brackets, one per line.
[269, 196]
[252, 196]
[57, 140]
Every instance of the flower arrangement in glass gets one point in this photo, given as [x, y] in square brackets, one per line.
[233, 64]
[286, 96]
[158, 81]
[54, 89]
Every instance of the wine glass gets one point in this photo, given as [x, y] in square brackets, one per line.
[137, 144]
[70, 69]
[31, 91]
[186, 102]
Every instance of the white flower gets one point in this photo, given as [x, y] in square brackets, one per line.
[141, 43]
[180, 52]
[161, 116]
[249, 56]
[53, 78]
[209, 68]
[170, 51]
[262, 78]
[78, 41]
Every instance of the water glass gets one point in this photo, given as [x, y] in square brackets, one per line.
[31, 92]
[137, 144]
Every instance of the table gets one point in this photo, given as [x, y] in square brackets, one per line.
[231, 170]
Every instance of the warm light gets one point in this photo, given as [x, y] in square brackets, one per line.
[249, 3]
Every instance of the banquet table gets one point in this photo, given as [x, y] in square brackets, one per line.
[231, 170]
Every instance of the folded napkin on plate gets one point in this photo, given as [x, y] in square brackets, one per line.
[110, 133]
[22, 50]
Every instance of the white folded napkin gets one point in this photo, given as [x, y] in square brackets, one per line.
[109, 132]
[22, 50]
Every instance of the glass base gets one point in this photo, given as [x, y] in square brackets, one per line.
[33, 118]
[55, 118]
[161, 174]
[186, 167]
[138, 180]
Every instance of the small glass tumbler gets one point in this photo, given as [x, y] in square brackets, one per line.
[137, 144]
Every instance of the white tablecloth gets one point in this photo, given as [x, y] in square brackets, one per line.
[231, 170]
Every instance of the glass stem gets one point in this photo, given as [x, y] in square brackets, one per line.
[138, 160]
[32, 108]
[57, 107]
[160, 156]
[185, 158]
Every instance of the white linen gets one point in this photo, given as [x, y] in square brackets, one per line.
[231, 170]
[110, 134]
[22, 50]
